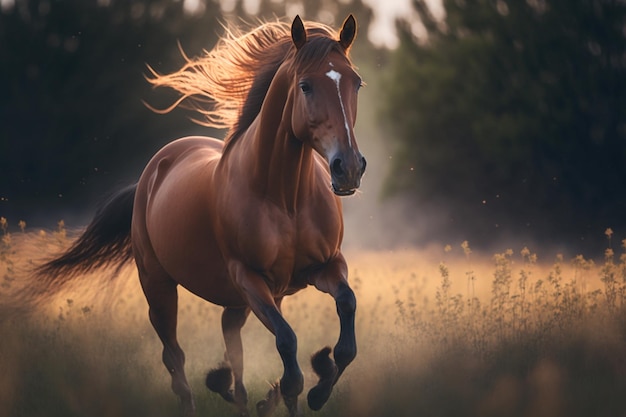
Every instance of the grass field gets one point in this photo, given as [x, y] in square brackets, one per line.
[441, 332]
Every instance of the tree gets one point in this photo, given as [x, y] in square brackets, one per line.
[510, 116]
[72, 121]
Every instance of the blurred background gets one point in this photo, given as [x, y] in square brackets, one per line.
[486, 120]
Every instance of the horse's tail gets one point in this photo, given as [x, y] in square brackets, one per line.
[105, 243]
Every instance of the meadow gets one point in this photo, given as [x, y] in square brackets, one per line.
[442, 331]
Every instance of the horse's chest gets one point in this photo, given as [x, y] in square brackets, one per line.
[318, 239]
[314, 241]
[282, 247]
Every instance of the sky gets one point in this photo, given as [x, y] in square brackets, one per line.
[382, 31]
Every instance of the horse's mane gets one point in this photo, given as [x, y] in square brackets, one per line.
[228, 84]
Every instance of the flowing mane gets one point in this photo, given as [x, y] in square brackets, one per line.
[228, 84]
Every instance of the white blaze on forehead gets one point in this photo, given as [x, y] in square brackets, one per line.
[336, 77]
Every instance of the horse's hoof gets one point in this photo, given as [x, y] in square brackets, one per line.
[266, 407]
[220, 380]
[317, 396]
[327, 370]
[323, 365]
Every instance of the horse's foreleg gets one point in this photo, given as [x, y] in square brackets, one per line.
[345, 349]
[219, 380]
[333, 280]
[262, 303]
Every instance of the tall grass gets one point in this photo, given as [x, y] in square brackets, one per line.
[441, 332]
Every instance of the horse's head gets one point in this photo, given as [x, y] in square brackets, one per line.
[324, 97]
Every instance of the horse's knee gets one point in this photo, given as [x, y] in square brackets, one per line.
[286, 343]
[346, 300]
[345, 350]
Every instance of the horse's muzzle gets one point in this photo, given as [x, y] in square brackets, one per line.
[346, 173]
[342, 193]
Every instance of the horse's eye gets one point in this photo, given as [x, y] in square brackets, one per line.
[305, 87]
[359, 85]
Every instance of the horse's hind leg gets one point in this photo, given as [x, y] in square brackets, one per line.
[219, 380]
[162, 295]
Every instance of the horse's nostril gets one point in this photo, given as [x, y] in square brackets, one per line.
[337, 167]
[363, 165]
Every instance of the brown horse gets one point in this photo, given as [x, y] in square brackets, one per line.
[245, 222]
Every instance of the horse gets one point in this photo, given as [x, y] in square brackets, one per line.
[244, 222]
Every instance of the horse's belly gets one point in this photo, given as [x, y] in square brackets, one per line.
[178, 223]
[190, 255]
[209, 280]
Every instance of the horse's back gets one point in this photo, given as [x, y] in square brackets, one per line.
[173, 212]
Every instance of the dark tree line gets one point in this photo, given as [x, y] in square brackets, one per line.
[72, 120]
[511, 117]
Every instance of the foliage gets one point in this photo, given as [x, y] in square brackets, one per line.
[510, 115]
[71, 113]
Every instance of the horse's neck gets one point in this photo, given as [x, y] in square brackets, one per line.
[285, 172]
[282, 165]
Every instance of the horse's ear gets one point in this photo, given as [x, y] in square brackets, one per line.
[348, 32]
[298, 33]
